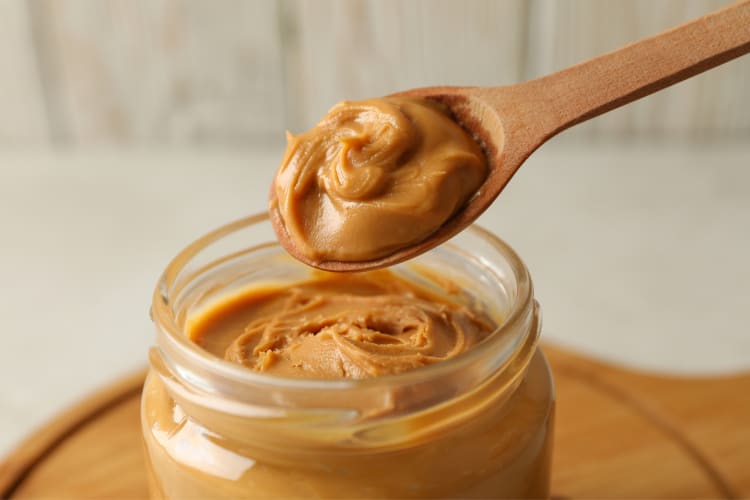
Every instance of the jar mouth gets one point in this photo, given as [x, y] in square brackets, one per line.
[498, 348]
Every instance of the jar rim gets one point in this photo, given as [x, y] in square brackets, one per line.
[171, 337]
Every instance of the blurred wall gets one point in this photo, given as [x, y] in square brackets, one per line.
[239, 72]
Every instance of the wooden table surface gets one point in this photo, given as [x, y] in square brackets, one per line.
[618, 434]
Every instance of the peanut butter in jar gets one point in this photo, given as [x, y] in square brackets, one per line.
[434, 387]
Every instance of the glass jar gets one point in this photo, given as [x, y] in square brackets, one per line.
[477, 425]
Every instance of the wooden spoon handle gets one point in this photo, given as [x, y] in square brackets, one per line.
[573, 95]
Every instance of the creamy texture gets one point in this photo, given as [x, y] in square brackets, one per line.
[340, 326]
[374, 176]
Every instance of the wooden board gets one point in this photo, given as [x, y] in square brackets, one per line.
[618, 434]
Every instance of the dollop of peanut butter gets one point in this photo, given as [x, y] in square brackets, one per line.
[373, 177]
[341, 326]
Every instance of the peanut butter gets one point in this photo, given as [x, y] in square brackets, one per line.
[374, 176]
[340, 326]
[474, 425]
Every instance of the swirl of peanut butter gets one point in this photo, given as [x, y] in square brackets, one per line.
[347, 326]
[374, 176]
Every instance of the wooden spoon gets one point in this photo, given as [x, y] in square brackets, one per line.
[511, 122]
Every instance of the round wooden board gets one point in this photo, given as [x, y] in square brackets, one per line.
[618, 434]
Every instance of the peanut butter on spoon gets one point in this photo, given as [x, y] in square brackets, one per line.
[372, 177]
[334, 200]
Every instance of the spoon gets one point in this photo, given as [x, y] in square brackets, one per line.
[511, 122]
